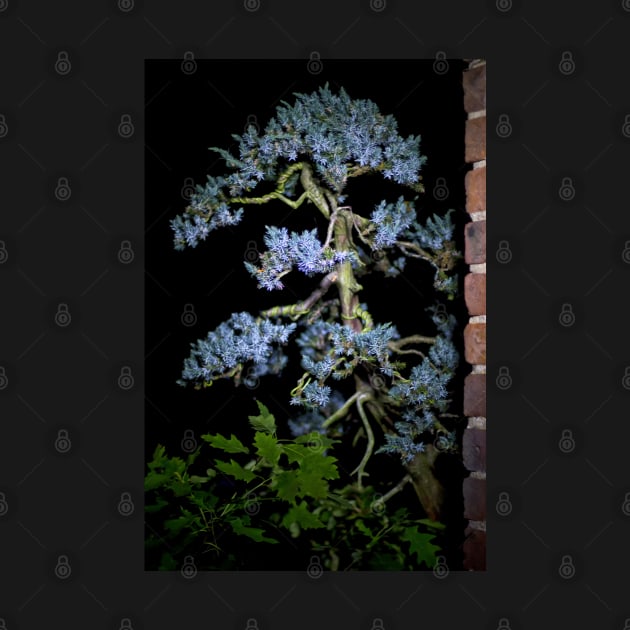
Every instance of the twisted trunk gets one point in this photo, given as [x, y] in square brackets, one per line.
[429, 490]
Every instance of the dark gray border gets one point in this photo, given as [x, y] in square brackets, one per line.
[568, 506]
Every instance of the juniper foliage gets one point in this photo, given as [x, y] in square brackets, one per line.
[305, 156]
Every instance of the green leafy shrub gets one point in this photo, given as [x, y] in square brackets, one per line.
[269, 493]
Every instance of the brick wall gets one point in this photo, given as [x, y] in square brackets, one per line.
[474, 440]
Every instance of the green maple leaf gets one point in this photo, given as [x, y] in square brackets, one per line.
[311, 484]
[158, 505]
[264, 421]
[420, 544]
[159, 457]
[180, 488]
[155, 480]
[323, 466]
[296, 452]
[300, 515]
[267, 446]
[363, 528]
[255, 533]
[432, 524]
[233, 445]
[286, 485]
[234, 469]
[175, 525]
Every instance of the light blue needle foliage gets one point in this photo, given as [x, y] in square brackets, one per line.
[304, 158]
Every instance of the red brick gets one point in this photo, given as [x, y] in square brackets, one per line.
[475, 181]
[475, 343]
[475, 242]
[475, 293]
[474, 449]
[475, 499]
[474, 550]
[476, 139]
[475, 395]
[475, 89]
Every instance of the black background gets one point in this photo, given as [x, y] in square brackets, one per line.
[188, 113]
[195, 112]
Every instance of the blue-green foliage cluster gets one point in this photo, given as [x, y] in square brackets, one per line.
[397, 224]
[240, 340]
[335, 132]
[332, 131]
[193, 228]
[424, 392]
[391, 221]
[338, 137]
[287, 250]
[339, 350]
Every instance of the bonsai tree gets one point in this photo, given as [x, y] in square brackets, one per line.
[356, 372]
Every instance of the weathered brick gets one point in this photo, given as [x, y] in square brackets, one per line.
[474, 550]
[475, 181]
[475, 395]
[475, 343]
[475, 242]
[475, 89]
[474, 449]
[475, 293]
[474, 499]
[475, 139]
